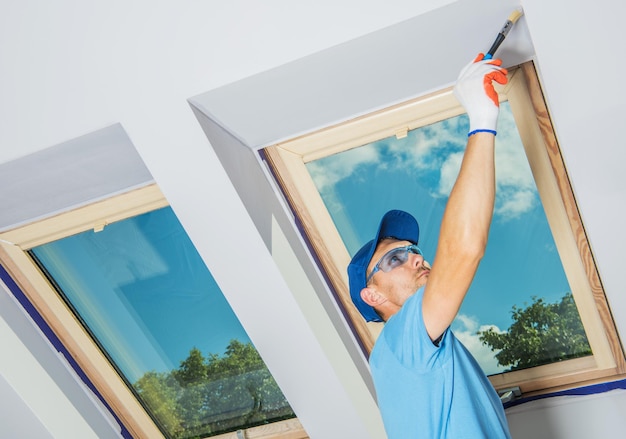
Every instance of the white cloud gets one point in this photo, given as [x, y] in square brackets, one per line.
[449, 171]
[328, 172]
[427, 145]
[515, 202]
[516, 191]
[465, 329]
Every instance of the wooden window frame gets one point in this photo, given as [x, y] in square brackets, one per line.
[14, 245]
[288, 159]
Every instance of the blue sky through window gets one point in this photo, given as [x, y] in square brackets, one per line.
[416, 174]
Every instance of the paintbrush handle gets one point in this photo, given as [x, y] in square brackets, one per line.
[492, 50]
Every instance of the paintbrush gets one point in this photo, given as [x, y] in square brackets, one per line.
[515, 15]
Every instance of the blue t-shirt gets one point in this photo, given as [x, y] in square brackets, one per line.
[428, 391]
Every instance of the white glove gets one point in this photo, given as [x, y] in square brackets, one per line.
[474, 90]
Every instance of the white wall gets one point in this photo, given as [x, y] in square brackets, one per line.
[70, 68]
[590, 416]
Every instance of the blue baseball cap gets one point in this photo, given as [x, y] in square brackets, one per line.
[395, 224]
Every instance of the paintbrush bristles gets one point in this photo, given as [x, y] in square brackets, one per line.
[515, 15]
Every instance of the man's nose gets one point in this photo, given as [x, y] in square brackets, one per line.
[415, 259]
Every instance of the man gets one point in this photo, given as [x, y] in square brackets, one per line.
[428, 385]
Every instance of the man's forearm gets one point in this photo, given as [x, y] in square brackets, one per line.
[463, 236]
[469, 210]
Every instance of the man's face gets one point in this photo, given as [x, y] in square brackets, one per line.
[401, 282]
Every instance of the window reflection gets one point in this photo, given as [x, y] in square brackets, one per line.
[143, 292]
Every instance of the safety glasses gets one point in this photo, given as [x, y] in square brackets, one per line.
[394, 258]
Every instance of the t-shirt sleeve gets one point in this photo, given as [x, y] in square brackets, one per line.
[407, 338]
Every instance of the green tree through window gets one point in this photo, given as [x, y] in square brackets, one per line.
[541, 333]
[214, 394]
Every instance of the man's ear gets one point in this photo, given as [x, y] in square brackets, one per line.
[372, 297]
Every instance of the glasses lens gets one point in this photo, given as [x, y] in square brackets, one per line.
[394, 258]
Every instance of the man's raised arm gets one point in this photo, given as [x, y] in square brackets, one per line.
[468, 213]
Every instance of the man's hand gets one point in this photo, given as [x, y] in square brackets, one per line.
[474, 90]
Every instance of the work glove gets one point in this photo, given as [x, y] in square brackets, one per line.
[474, 90]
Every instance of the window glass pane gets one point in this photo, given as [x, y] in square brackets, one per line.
[149, 301]
[520, 291]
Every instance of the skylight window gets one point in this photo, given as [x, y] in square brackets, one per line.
[416, 173]
[172, 358]
[536, 316]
